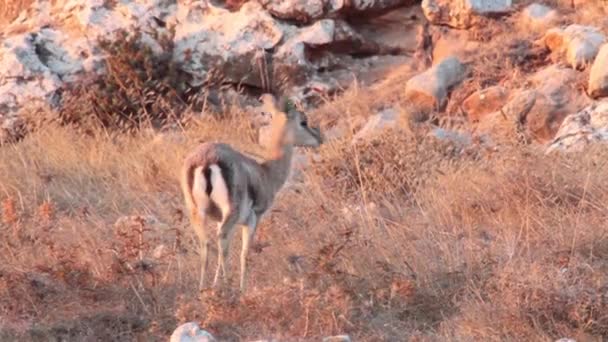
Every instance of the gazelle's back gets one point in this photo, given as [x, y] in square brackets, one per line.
[242, 175]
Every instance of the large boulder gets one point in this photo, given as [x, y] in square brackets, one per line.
[463, 14]
[578, 130]
[429, 90]
[213, 40]
[598, 76]
[578, 44]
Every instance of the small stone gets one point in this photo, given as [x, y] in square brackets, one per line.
[598, 77]
[337, 338]
[387, 118]
[191, 332]
[484, 102]
[429, 90]
[537, 16]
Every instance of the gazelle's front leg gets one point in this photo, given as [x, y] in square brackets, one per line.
[248, 233]
[224, 235]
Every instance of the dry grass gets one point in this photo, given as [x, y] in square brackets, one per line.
[401, 237]
[10, 9]
[398, 237]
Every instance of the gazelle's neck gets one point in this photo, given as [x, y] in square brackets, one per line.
[278, 166]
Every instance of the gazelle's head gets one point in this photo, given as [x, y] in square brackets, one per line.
[289, 125]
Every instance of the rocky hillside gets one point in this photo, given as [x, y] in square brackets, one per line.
[460, 194]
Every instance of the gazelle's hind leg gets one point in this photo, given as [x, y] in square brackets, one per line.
[224, 235]
[248, 233]
[199, 223]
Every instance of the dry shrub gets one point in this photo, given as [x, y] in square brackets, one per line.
[139, 87]
[393, 164]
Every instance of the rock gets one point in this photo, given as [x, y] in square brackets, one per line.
[306, 11]
[429, 90]
[578, 130]
[578, 44]
[458, 138]
[538, 17]
[538, 113]
[215, 40]
[327, 36]
[191, 332]
[598, 76]
[337, 338]
[387, 118]
[484, 102]
[463, 14]
[556, 96]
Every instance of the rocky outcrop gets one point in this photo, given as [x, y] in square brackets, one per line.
[598, 76]
[307, 11]
[578, 130]
[429, 90]
[578, 44]
[55, 43]
[463, 14]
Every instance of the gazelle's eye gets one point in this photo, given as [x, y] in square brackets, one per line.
[303, 123]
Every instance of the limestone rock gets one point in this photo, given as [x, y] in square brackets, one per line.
[578, 130]
[557, 95]
[598, 77]
[537, 113]
[538, 17]
[463, 13]
[307, 11]
[232, 43]
[577, 43]
[292, 57]
[429, 90]
[484, 102]
[191, 332]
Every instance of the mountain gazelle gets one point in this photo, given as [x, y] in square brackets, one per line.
[223, 185]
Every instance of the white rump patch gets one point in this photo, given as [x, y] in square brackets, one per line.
[219, 189]
[198, 190]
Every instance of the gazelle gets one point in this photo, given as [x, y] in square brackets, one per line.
[224, 185]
